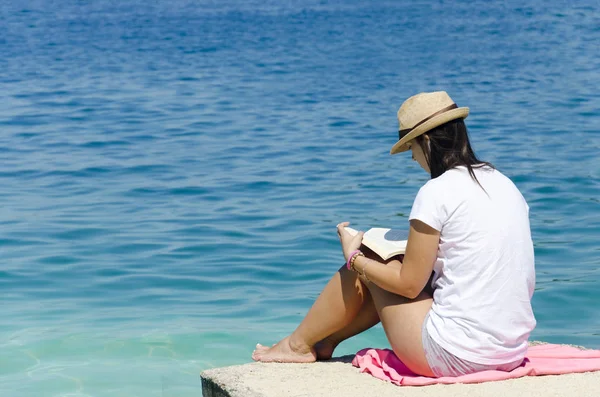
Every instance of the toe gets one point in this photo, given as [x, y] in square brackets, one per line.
[261, 348]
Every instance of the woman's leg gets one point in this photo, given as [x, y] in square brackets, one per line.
[335, 316]
[335, 308]
[366, 318]
[402, 320]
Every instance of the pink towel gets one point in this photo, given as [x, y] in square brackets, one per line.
[540, 360]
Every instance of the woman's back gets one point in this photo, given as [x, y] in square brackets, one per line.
[485, 273]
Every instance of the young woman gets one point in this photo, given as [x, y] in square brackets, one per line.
[469, 225]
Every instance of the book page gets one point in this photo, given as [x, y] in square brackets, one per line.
[384, 242]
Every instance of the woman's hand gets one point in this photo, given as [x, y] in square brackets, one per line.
[349, 243]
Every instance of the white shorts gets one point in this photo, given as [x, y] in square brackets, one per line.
[443, 363]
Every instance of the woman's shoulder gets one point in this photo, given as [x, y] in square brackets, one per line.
[461, 173]
[437, 188]
[452, 176]
[457, 181]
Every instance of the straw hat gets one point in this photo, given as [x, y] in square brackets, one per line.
[423, 112]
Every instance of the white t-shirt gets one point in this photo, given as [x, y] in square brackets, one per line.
[484, 272]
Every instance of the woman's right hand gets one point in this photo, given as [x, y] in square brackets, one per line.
[349, 242]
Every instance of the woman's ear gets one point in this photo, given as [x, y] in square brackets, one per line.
[426, 145]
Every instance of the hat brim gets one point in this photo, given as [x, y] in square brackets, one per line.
[458, 113]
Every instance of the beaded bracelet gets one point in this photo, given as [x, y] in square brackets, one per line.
[352, 258]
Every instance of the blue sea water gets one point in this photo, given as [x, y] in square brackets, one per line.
[171, 173]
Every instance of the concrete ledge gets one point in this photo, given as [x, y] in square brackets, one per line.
[337, 377]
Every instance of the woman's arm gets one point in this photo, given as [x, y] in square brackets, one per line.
[405, 278]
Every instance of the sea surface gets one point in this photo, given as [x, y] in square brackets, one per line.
[171, 173]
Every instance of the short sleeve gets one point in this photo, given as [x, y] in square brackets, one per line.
[428, 208]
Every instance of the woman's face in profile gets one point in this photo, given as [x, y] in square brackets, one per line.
[418, 155]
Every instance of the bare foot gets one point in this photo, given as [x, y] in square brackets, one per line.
[283, 352]
[325, 349]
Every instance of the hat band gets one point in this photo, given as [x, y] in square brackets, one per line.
[404, 132]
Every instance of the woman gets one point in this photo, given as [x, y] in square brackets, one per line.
[469, 225]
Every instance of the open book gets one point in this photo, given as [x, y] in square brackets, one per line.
[384, 242]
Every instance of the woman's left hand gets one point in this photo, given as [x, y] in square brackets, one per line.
[349, 243]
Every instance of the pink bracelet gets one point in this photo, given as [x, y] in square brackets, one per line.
[350, 258]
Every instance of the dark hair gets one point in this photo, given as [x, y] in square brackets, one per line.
[449, 147]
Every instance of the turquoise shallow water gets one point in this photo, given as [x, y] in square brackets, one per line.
[172, 174]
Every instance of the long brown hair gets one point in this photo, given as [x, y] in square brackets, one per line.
[449, 147]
